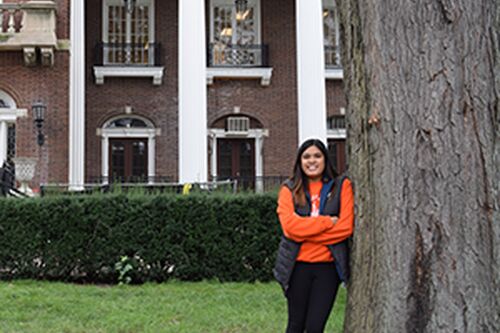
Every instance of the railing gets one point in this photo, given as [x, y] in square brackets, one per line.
[128, 54]
[257, 183]
[222, 55]
[230, 185]
[332, 57]
[10, 18]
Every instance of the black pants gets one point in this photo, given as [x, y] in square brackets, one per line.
[313, 287]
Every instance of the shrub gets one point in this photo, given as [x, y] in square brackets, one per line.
[194, 237]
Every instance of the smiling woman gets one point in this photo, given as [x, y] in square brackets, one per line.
[316, 212]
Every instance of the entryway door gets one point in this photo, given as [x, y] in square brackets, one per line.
[236, 160]
[128, 160]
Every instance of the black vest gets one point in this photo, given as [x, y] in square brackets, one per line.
[289, 250]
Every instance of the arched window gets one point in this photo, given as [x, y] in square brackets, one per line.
[8, 115]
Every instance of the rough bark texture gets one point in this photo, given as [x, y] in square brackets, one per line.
[423, 87]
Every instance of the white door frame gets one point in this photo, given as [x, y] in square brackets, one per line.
[149, 133]
[8, 116]
[257, 134]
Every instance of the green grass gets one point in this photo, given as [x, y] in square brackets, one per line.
[32, 306]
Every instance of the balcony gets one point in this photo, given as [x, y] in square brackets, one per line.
[333, 65]
[238, 61]
[128, 60]
[31, 27]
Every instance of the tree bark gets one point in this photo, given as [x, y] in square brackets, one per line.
[422, 80]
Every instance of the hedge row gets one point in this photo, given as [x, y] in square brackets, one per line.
[81, 238]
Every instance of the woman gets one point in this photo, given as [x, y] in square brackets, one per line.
[316, 212]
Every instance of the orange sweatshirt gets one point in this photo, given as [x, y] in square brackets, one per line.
[315, 232]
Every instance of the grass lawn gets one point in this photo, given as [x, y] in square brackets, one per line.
[33, 306]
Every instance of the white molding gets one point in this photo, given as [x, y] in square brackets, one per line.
[311, 94]
[77, 97]
[116, 133]
[336, 133]
[100, 72]
[193, 162]
[10, 115]
[334, 74]
[257, 12]
[264, 74]
[254, 133]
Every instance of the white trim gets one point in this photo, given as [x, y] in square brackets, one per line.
[193, 162]
[336, 133]
[264, 74]
[334, 74]
[257, 134]
[7, 99]
[115, 133]
[310, 70]
[100, 72]
[105, 23]
[257, 18]
[9, 115]
[77, 96]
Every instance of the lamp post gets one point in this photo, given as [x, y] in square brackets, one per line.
[39, 110]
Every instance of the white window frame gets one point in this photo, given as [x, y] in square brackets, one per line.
[257, 19]
[334, 73]
[8, 116]
[262, 73]
[129, 70]
[149, 132]
[257, 134]
[105, 22]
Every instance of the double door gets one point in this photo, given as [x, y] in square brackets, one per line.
[128, 160]
[236, 160]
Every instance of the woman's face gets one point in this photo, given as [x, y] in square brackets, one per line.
[312, 162]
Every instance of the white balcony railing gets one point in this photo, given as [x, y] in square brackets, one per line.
[29, 26]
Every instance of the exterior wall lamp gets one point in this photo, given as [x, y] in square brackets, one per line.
[39, 110]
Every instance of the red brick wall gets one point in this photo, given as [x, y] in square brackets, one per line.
[335, 97]
[51, 86]
[156, 103]
[275, 106]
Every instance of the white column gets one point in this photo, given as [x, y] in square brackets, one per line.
[3, 142]
[259, 170]
[77, 97]
[311, 70]
[151, 158]
[105, 159]
[213, 157]
[193, 164]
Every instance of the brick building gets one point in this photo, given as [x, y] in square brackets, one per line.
[168, 90]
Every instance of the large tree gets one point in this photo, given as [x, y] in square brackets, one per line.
[423, 87]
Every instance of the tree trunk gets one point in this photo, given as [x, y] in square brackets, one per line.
[423, 87]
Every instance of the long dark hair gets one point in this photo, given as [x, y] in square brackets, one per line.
[299, 178]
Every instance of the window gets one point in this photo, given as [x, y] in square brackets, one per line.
[235, 34]
[11, 141]
[331, 34]
[336, 122]
[128, 32]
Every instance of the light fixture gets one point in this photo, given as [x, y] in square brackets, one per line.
[129, 5]
[39, 109]
[241, 5]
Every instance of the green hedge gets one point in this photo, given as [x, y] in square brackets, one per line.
[194, 237]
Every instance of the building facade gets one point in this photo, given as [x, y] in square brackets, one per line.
[167, 90]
